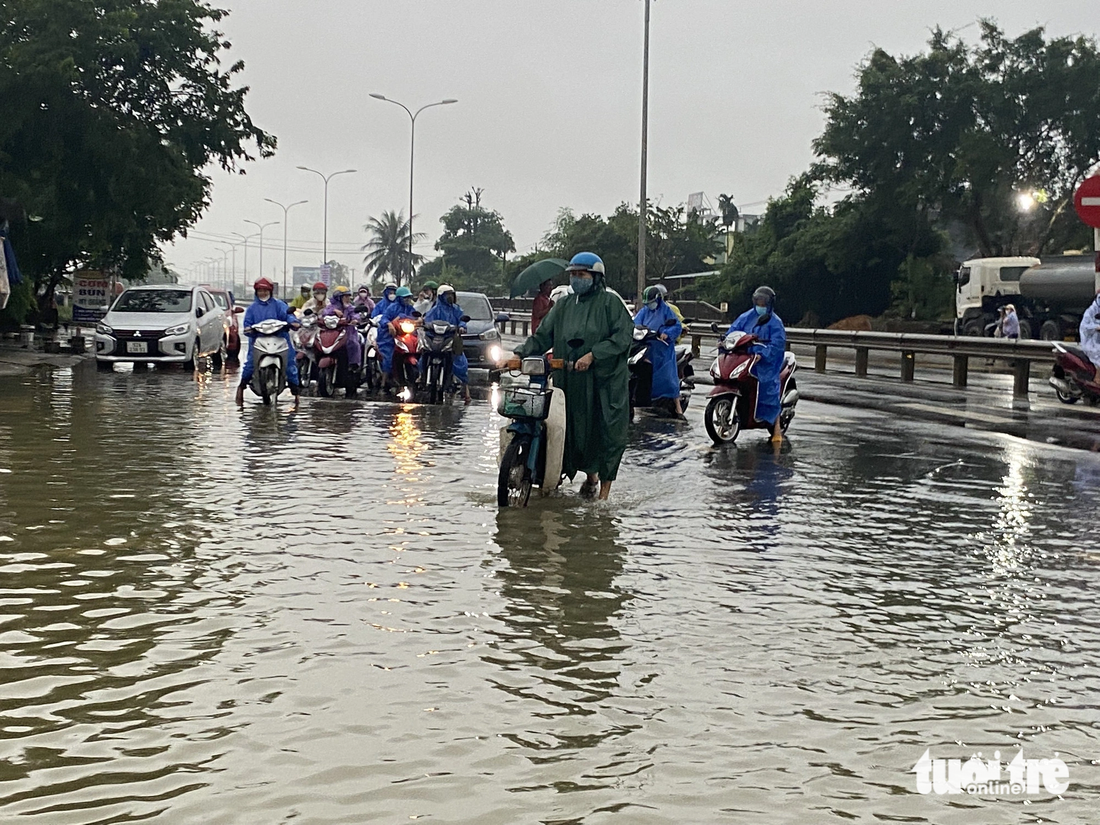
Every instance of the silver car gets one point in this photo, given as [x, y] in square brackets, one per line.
[161, 324]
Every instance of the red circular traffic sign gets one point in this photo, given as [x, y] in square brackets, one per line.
[1087, 201]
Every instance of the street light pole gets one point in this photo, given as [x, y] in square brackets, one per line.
[326, 179]
[285, 209]
[643, 206]
[244, 240]
[412, 157]
[262, 227]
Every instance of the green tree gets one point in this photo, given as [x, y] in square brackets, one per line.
[966, 132]
[475, 246]
[114, 111]
[388, 248]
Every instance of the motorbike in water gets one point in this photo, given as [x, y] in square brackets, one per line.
[331, 352]
[305, 348]
[270, 352]
[641, 373]
[533, 444]
[440, 342]
[370, 375]
[1074, 376]
[732, 402]
[405, 348]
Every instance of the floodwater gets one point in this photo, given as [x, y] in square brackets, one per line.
[214, 616]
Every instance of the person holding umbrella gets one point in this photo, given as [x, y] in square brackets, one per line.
[542, 304]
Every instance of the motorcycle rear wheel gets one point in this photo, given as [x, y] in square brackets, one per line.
[786, 414]
[1066, 398]
[722, 420]
[514, 479]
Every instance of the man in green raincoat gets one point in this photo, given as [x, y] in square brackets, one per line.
[591, 331]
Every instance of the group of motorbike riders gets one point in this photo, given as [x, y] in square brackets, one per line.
[436, 303]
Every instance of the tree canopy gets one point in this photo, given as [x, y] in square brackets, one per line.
[387, 248]
[113, 112]
[474, 244]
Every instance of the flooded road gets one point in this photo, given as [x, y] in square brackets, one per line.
[215, 616]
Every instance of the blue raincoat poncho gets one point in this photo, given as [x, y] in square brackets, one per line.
[451, 314]
[385, 302]
[662, 354]
[1090, 332]
[394, 311]
[354, 347]
[771, 348]
[268, 310]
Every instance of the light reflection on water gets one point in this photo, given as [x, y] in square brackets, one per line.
[209, 615]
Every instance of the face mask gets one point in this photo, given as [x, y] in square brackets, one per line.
[651, 304]
[389, 294]
[581, 285]
[761, 311]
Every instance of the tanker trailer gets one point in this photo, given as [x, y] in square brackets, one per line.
[1054, 295]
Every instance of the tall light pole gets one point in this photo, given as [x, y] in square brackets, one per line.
[244, 240]
[285, 209]
[642, 202]
[262, 227]
[326, 179]
[412, 157]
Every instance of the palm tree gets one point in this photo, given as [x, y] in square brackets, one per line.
[388, 248]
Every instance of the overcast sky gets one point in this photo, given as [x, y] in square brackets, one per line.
[549, 104]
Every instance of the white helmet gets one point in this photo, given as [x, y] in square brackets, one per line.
[559, 292]
[443, 290]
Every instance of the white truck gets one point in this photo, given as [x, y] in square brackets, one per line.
[1049, 296]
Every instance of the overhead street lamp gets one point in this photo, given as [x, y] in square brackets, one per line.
[285, 209]
[262, 227]
[244, 240]
[326, 179]
[412, 157]
[642, 203]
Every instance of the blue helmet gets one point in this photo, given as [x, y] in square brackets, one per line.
[586, 262]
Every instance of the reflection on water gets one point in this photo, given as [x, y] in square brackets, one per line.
[213, 615]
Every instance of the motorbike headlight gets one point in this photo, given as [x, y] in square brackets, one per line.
[407, 327]
[740, 368]
[490, 334]
[178, 329]
[103, 329]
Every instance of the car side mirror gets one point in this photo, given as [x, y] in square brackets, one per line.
[503, 317]
[199, 312]
[238, 310]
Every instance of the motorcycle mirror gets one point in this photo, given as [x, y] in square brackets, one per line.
[308, 312]
[713, 326]
[464, 319]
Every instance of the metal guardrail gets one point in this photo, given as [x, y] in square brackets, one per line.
[1020, 354]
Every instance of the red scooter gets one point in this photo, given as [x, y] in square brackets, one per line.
[331, 349]
[732, 402]
[1074, 376]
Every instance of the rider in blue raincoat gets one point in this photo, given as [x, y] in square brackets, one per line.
[447, 310]
[267, 307]
[658, 316]
[762, 322]
[340, 305]
[389, 291]
[400, 307]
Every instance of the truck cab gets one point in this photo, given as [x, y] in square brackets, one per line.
[983, 284]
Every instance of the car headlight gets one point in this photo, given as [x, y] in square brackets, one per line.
[178, 329]
[103, 329]
[496, 354]
[489, 335]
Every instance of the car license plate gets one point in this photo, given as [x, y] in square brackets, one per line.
[137, 347]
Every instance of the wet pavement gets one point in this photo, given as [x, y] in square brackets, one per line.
[220, 616]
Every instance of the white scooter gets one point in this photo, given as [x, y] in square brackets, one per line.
[270, 352]
[532, 446]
